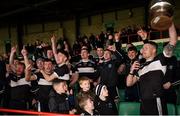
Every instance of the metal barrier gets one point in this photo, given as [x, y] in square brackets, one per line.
[32, 112]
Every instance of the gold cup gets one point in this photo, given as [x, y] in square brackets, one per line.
[161, 12]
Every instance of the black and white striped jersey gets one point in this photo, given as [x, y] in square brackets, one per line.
[19, 87]
[62, 72]
[41, 80]
[87, 69]
[151, 77]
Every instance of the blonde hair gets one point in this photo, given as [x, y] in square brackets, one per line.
[82, 79]
[82, 99]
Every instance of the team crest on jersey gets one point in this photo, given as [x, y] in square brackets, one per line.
[109, 65]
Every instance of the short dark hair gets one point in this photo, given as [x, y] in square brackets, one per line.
[108, 50]
[57, 81]
[48, 48]
[47, 60]
[153, 44]
[133, 48]
[63, 52]
[85, 49]
[40, 59]
[21, 63]
[99, 46]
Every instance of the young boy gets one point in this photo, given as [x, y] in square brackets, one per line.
[84, 83]
[103, 103]
[58, 98]
[86, 104]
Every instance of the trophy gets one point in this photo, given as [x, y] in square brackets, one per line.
[161, 12]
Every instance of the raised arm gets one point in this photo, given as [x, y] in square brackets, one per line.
[172, 35]
[28, 75]
[11, 58]
[169, 48]
[25, 55]
[53, 42]
[28, 72]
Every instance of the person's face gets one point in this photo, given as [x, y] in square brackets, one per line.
[61, 58]
[40, 64]
[49, 53]
[107, 55]
[85, 85]
[16, 62]
[148, 51]
[84, 54]
[100, 52]
[132, 54]
[116, 36]
[105, 92]
[62, 87]
[110, 37]
[19, 69]
[48, 67]
[89, 104]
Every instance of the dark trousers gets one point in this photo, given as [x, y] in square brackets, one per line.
[156, 106]
[44, 106]
[18, 104]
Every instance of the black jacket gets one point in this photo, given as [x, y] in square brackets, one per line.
[107, 107]
[58, 102]
[95, 113]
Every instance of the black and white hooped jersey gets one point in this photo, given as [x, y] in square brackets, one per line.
[151, 77]
[62, 72]
[17, 80]
[41, 80]
[86, 69]
[19, 87]
[44, 87]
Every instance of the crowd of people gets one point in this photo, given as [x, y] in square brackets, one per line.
[85, 80]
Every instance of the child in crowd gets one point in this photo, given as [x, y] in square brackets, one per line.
[84, 83]
[85, 87]
[104, 104]
[86, 103]
[58, 98]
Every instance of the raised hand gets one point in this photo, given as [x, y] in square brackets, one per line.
[135, 66]
[13, 49]
[29, 67]
[53, 39]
